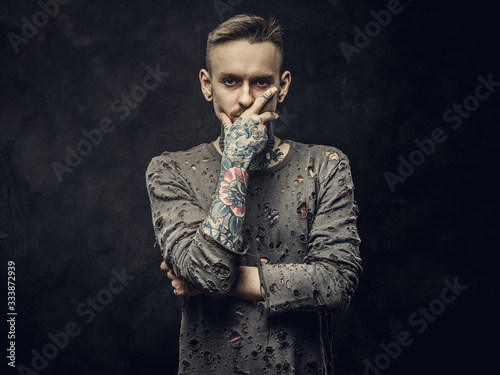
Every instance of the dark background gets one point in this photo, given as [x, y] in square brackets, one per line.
[67, 237]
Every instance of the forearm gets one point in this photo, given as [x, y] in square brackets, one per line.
[243, 140]
[247, 285]
[224, 221]
[319, 286]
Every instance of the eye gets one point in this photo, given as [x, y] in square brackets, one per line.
[262, 82]
[229, 82]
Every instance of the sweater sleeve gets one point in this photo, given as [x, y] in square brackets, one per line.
[328, 276]
[194, 257]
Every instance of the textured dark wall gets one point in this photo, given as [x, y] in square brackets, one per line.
[66, 235]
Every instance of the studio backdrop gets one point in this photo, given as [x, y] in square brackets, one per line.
[92, 91]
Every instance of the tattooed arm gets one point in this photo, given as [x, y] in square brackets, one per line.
[202, 252]
[243, 140]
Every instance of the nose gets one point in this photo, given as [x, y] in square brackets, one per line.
[245, 99]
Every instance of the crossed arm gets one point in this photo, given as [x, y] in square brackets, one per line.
[202, 251]
[243, 140]
[247, 285]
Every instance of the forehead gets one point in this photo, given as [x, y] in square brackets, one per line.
[245, 59]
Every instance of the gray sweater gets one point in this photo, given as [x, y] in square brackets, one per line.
[300, 231]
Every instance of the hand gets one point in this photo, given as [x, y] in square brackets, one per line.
[248, 135]
[181, 288]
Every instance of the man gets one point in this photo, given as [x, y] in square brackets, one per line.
[258, 234]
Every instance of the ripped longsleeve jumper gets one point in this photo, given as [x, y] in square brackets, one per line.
[299, 230]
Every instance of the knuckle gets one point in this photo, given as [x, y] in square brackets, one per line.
[256, 119]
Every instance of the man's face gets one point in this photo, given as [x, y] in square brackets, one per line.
[240, 73]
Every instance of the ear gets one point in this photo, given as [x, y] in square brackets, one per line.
[206, 84]
[285, 81]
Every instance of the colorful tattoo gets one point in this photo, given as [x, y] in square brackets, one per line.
[233, 190]
[224, 222]
[246, 147]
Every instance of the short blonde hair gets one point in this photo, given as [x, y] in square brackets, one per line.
[249, 27]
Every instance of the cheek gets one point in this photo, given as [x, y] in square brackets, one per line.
[221, 102]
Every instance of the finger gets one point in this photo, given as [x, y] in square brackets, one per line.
[176, 283]
[265, 117]
[225, 120]
[171, 275]
[261, 101]
[179, 293]
[164, 267]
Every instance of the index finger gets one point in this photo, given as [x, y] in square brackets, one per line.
[261, 101]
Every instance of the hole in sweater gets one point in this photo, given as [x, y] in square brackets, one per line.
[194, 344]
[282, 337]
[333, 156]
[239, 311]
[221, 270]
[270, 351]
[344, 192]
[318, 299]
[302, 210]
[235, 339]
[207, 357]
[159, 222]
[312, 367]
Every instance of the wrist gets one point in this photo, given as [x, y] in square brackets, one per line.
[237, 160]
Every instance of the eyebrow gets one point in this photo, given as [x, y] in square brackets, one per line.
[269, 77]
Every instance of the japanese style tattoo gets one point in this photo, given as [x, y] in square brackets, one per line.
[246, 146]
